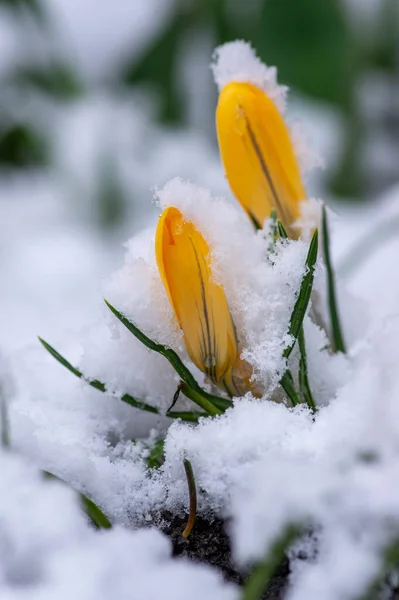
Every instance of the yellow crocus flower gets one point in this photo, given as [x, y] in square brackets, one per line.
[200, 305]
[258, 155]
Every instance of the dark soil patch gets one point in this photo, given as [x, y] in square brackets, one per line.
[208, 543]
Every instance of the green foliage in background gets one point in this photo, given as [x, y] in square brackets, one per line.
[316, 48]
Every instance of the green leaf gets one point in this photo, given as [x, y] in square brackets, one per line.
[311, 43]
[264, 571]
[187, 415]
[184, 373]
[21, 146]
[287, 383]
[127, 398]
[303, 298]
[273, 225]
[22, 6]
[303, 373]
[157, 66]
[282, 232]
[338, 341]
[156, 457]
[197, 397]
[389, 563]
[56, 80]
[4, 422]
[193, 498]
[110, 198]
[254, 221]
[95, 514]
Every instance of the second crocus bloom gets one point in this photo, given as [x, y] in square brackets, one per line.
[200, 305]
[258, 154]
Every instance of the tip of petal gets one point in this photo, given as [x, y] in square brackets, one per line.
[237, 61]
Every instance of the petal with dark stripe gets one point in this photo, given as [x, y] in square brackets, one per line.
[200, 304]
[258, 155]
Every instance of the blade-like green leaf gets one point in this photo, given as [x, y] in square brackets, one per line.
[156, 456]
[303, 298]
[282, 232]
[95, 514]
[127, 398]
[174, 359]
[389, 563]
[4, 422]
[287, 383]
[338, 340]
[303, 373]
[273, 231]
[264, 571]
[190, 416]
[254, 221]
[63, 361]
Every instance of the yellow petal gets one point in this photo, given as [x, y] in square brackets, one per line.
[200, 305]
[258, 155]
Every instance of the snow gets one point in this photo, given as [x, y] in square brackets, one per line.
[48, 550]
[237, 61]
[261, 465]
[98, 49]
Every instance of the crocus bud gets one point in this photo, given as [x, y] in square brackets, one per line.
[258, 155]
[199, 302]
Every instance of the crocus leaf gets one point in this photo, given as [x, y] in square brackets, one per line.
[265, 569]
[338, 340]
[156, 455]
[303, 298]
[282, 232]
[303, 373]
[95, 514]
[287, 383]
[127, 398]
[174, 359]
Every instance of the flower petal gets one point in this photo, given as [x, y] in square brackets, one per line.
[258, 155]
[200, 305]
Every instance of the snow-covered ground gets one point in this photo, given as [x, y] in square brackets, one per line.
[262, 465]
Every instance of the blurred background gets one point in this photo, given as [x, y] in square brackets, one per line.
[101, 101]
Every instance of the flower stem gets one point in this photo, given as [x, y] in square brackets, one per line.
[193, 498]
[199, 399]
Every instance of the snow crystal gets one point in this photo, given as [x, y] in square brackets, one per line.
[237, 61]
[47, 550]
[310, 218]
[308, 156]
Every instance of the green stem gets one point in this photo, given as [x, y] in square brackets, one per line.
[303, 373]
[287, 383]
[338, 340]
[193, 498]
[200, 399]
